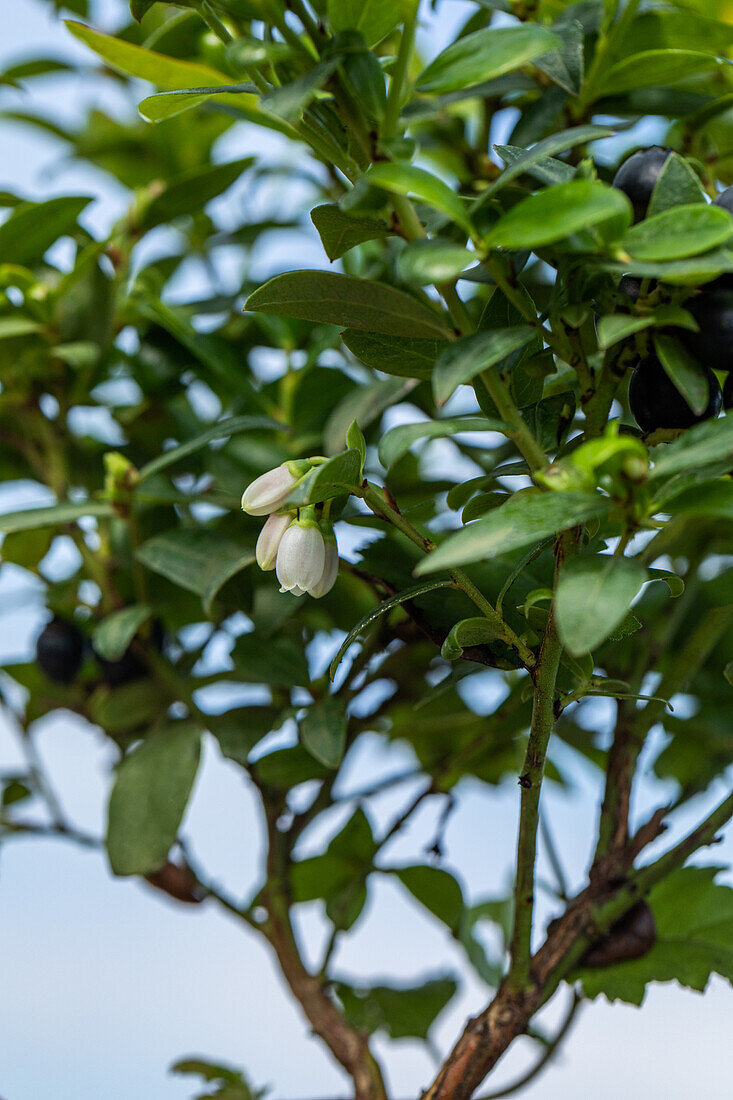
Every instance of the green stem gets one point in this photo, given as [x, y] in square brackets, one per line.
[543, 718]
[213, 22]
[399, 76]
[377, 501]
[519, 429]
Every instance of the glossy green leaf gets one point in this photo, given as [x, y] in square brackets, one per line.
[149, 799]
[198, 560]
[437, 890]
[677, 185]
[522, 521]
[401, 1012]
[700, 446]
[592, 598]
[404, 179]
[279, 662]
[548, 170]
[112, 637]
[678, 233]
[224, 429]
[341, 474]
[463, 359]
[548, 147]
[684, 372]
[323, 731]
[188, 194]
[713, 499]
[340, 231]
[486, 54]
[433, 261]
[557, 213]
[411, 593]
[375, 19]
[654, 67]
[468, 632]
[33, 227]
[395, 444]
[401, 356]
[336, 299]
[290, 100]
[55, 515]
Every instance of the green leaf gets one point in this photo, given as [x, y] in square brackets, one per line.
[157, 68]
[437, 890]
[714, 499]
[468, 632]
[684, 372]
[486, 54]
[279, 662]
[653, 68]
[198, 560]
[339, 231]
[54, 515]
[239, 730]
[323, 731]
[224, 429]
[528, 158]
[341, 474]
[433, 261]
[701, 445]
[522, 521]
[404, 179]
[111, 639]
[375, 19]
[188, 193]
[10, 327]
[149, 799]
[694, 919]
[129, 708]
[335, 299]
[290, 100]
[463, 359]
[403, 1012]
[678, 233]
[592, 598]
[395, 444]
[400, 356]
[33, 227]
[239, 97]
[565, 66]
[387, 605]
[557, 213]
[548, 170]
[618, 326]
[677, 185]
[355, 441]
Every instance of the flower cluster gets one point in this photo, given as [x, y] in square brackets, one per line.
[300, 546]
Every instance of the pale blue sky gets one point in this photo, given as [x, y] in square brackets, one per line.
[104, 983]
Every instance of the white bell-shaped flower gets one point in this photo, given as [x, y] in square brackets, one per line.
[330, 569]
[269, 541]
[269, 491]
[301, 557]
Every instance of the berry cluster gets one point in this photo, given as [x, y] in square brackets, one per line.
[654, 400]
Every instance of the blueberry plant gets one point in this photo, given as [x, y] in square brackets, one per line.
[474, 450]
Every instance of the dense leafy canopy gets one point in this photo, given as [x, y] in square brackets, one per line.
[448, 379]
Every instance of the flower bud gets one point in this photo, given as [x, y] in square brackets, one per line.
[267, 544]
[330, 570]
[269, 491]
[301, 557]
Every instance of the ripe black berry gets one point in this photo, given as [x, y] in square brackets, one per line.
[637, 175]
[712, 308]
[656, 403]
[631, 937]
[725, 199]
[60, 650]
